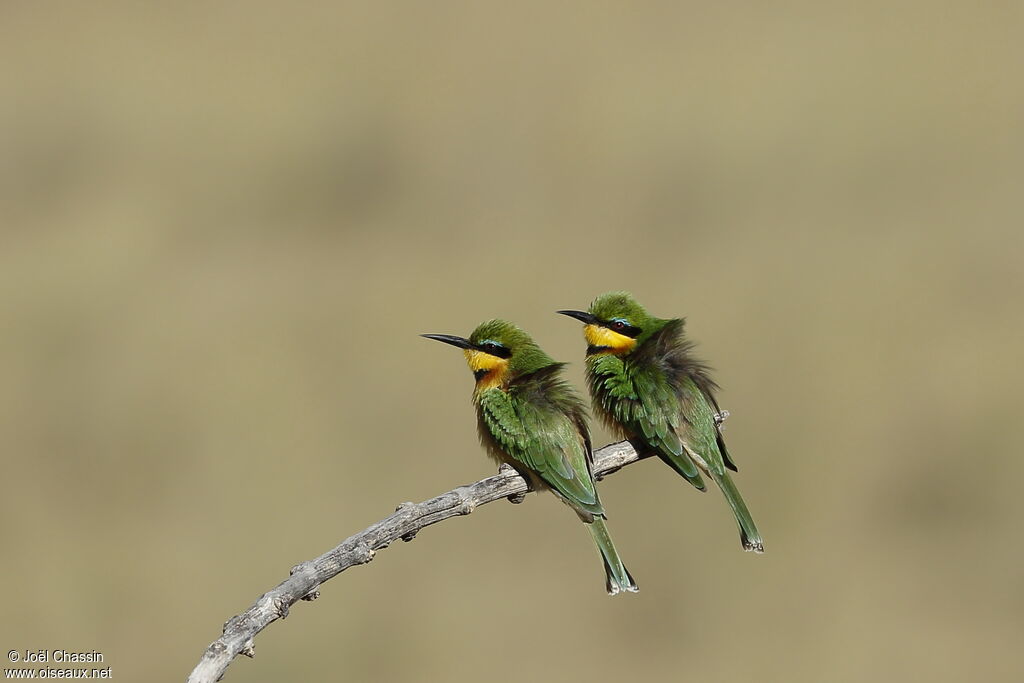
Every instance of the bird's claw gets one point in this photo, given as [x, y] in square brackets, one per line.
[599, 476]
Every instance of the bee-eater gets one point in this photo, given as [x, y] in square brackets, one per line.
[646, 385]
[532, 419]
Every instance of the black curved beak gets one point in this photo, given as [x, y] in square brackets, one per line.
[582, 316]
[450, 339]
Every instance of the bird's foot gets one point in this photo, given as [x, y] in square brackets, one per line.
[515, 498]
[599, 476]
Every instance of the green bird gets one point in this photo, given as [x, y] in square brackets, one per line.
[646, 385]
[532, 419]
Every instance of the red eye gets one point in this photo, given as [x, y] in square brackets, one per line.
[618, 325]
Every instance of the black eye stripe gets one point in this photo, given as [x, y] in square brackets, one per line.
[494, 349]
[626, 329]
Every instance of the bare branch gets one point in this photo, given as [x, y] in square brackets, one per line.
[405, 523]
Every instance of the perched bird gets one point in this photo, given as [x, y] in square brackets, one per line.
[646, 385]
[532, 419]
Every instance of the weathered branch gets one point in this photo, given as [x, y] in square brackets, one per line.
[360, 548]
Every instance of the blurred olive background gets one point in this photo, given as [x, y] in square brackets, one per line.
[223, 225]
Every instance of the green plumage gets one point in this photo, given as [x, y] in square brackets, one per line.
[660, 398]
[533, 423]
[532, 419]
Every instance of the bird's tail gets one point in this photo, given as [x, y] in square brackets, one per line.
[618, 577]
[749, 534]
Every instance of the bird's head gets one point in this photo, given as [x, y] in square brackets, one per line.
[497, 351]
[615, 323]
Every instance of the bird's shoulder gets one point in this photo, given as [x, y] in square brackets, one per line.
[667, 351]
[546, 390]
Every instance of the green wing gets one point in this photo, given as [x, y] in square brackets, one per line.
[546, 441]
[642, 400]
[699, 430]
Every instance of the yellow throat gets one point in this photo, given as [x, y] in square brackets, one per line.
[489, 370]
[608, 340]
